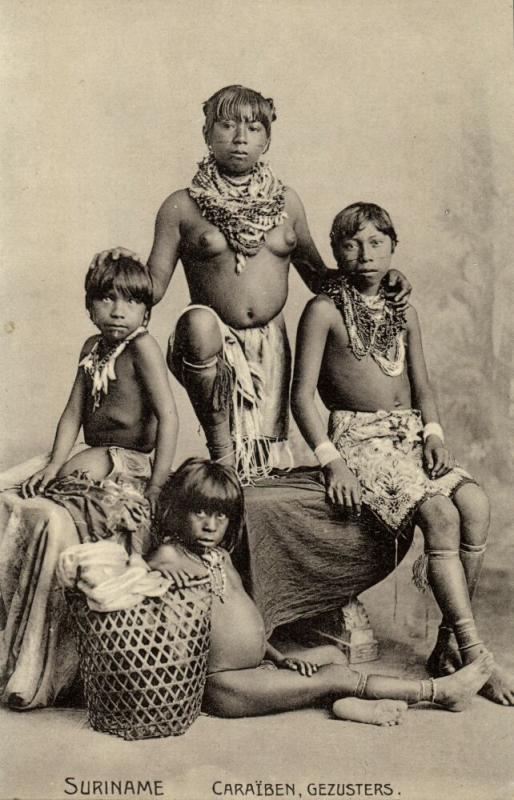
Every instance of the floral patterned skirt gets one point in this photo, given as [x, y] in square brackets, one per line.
[384, 449]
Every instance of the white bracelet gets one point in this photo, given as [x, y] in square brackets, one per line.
[326, 452]
[433, 429]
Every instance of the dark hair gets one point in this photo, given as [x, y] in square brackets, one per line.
[238, 102]
[200, 485]
[352, 218]
[124, 275]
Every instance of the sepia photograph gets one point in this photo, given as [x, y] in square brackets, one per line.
[256, 519]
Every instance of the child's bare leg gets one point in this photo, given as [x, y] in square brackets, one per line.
[439, 520]
[473, 507]
[385, 713]
[251, 692]
[453, 692]
[96, 461]
[374, 712]
[199, 345]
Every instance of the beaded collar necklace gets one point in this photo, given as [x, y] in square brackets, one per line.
[374, 325]
[100, 369]
[243, 209]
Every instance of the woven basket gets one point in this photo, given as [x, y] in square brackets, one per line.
[144, 668]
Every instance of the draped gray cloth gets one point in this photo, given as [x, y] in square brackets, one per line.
[302, 556]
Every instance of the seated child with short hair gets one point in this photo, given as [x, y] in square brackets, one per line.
[199, 520]
[386, 448]
[121, 395]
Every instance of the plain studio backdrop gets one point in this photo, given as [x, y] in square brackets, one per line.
[403, 103]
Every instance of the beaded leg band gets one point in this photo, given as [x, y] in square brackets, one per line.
[427, 691]
[360, 687]
[441, 555]
[199, 366]
[466, 634]
[477, 549]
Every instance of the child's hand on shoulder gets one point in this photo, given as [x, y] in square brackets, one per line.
[305, 668]
[438, 460]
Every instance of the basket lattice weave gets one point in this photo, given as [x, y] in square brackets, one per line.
[144, 668]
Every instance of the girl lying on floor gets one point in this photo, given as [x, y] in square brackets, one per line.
[199, 520]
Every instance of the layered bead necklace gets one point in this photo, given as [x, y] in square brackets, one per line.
[243, 209]
[375, 327]
[100, 369]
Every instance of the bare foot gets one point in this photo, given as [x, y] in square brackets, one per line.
[500, 687]
[444, 658]
[374, 712]
[455, 692]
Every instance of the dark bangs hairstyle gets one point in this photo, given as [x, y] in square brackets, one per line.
[200, 485]
[125, 276]
[239, 103]
[355, 217]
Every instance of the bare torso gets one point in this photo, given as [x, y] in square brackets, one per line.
[245, 300]
[124, 417]
[238, 639]
[346, 382]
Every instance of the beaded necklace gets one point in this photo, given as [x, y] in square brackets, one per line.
[100, 369]
[375, 327]
[214, 559]
[244, 209]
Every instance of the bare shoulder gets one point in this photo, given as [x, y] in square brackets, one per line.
[89, 344]
[320, 309]
[175, 207]
[294, 205]
[166, 555]
[147, 356]
[145, 344]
